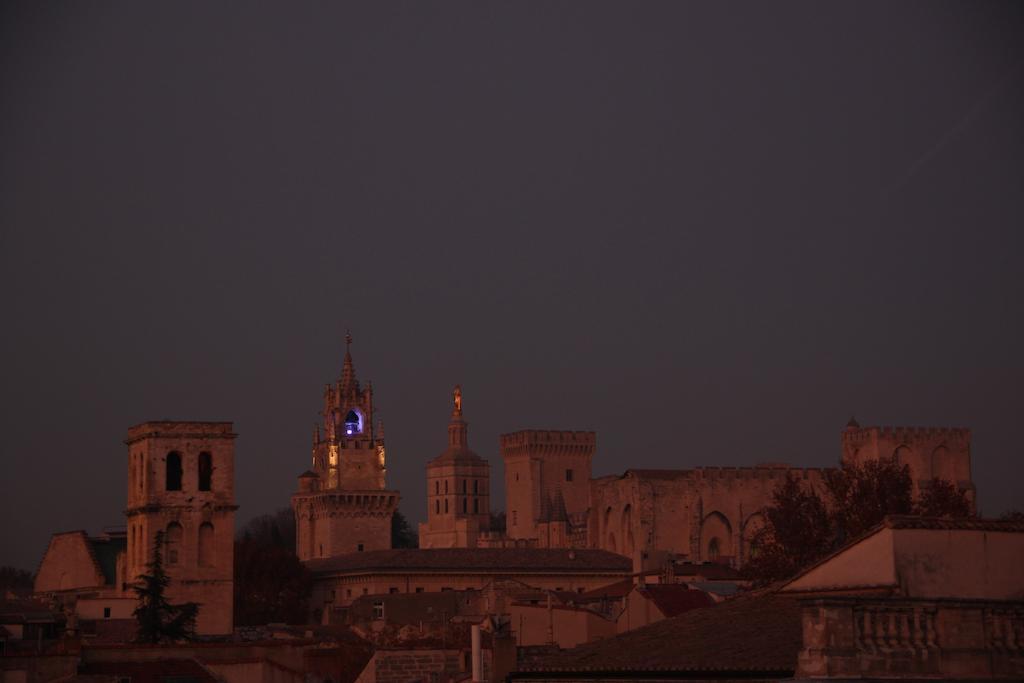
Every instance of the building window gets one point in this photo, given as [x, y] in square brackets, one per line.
[365, 591]
[476, 506]
[106, 612]
[359, 548]
[446, 589]
[353, 423]
[446, 486]
[476, 486]
[464, 504]
[437, 507]
[173, 479]
[568, 475]
[464, 481]
[392, 590]
[321, 550]
[446, 506]
[419, 589]
[378, 609]
[348, 592]
[713, 550]
[517, 476]
[205, 471]
[437, 488]
[206, 544]
[515, 518]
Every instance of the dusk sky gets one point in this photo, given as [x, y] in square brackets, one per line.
[709, 232]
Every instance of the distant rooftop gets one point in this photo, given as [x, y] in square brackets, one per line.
[746, 635]
[492, 560]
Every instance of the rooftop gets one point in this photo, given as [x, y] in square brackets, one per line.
[747, 634]
[467, 560]
[672, 599]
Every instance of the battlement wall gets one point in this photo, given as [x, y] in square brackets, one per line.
[169, 429]
[862, 434]
[548, 437]
[760, 472]
[548, 442]
[376, 500]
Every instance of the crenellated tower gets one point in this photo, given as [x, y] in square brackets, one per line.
[342, 505]
[930, 452]
[547, 486]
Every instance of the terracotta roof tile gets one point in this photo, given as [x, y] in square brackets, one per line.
[746, 634]
[153, 672]
[708, 570]
[673, 599]
[503, 560]
[942, 523]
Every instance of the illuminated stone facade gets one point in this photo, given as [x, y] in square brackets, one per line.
[711, 513]
[704, 514]
[181, 482]
[342, 505]
[547, 486]
[458, 490]
[930, 452]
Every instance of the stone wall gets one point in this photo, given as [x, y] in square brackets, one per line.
[408, 665]
[904, 638]
[67, 564]
[537, 466]
[939, 452]
[703, 514]
[198, 521]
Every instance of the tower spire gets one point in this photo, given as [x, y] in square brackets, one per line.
[457, 429]
[348, 373]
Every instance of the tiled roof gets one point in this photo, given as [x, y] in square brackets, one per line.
[711, 571]
[944, 524]
[673, 599]
[178, 670]
[458, 455]
[612, 590]
[105, 551]
[25, 611]
[746, 634]
[913, 522]
[501, 560]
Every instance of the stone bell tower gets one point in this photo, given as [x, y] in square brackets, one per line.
[181, 482]
[342, 505]
[458, 490]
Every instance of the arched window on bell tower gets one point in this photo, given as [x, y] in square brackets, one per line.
[205, 471]
[173, 480]
[353, 423]
[172, 542]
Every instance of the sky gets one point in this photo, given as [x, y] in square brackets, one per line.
[709, 232]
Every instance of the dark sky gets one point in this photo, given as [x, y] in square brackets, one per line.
[709, 232]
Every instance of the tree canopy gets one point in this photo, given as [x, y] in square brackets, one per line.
[402, 535]
[271, 585]
[802, 527]
[276, 528]
[16, 581]
[158, 620]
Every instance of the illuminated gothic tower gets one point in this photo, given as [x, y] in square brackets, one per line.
[458, 490]
[342, 505]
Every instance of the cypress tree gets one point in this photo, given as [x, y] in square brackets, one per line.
[159, 620]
